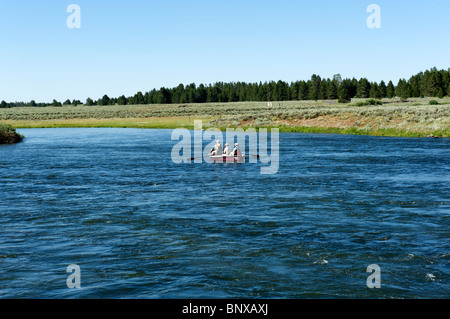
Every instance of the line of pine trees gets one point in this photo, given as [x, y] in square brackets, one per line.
[431, 83]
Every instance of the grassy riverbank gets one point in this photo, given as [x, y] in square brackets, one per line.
[414, 118]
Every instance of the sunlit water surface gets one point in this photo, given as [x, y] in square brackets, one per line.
[140, 226]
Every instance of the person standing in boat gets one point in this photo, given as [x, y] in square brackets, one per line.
[227, 149]
[236, 150]
[217, 149]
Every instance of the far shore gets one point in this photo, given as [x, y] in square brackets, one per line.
[414, 118]
[173, 123]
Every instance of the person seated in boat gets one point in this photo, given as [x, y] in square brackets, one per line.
[227, 149]
[217, 149]
[236, 150]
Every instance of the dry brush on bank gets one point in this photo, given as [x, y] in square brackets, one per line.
[416, 116]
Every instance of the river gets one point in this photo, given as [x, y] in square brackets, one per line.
[137, 225]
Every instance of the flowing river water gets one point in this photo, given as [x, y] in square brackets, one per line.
[112, 202]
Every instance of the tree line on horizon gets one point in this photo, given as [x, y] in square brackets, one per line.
[431, 83]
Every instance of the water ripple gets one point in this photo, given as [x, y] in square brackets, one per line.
[140, 226]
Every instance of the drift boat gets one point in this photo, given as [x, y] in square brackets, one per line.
[228, 158]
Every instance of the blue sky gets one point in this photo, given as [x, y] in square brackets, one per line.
[127, 46]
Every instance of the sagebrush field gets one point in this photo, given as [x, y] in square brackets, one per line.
[415, 117]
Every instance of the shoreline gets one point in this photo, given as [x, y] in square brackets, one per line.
[412, 118]
[174, 123]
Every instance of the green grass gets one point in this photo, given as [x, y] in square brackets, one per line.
[386, 117]
[363, 131]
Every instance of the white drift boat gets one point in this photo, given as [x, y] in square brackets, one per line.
[228, 158]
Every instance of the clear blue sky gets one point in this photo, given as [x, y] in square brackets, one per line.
[127, 46]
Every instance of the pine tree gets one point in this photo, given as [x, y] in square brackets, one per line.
[333, 90]
[200, 94]
[232, 97]
[164, 96]
[374, 91]
[390, 90]
[344, 91]
[403, 89]
[435, 84]
[382, 89]
[213, 94]
[105, 100]
[281, 91]
[445, 75]
[89, 102]
[223, 97]
[152, 97]
[122, 100]
[414, 82]
[323, 91]
[183, 98]
[293, 91]
[363, 88]
[272, 91]
[354, 87]
[262, 92]
[139, 98]
[303, 91]
[56, 103]
[314, 87]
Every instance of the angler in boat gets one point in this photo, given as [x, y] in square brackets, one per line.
[236, 150]
[217, 150]
[228, 155]
[227, 149]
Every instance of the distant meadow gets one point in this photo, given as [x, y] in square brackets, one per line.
[393, 117]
